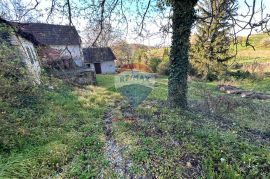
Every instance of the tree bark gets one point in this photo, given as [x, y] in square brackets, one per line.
[183, 18]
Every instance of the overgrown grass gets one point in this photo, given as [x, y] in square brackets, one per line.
[61, 136]
[106, 81]
[227, 139]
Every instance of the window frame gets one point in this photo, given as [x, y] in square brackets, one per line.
[30, 55]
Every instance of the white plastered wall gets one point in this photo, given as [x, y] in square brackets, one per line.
[108, 67]
[74, 51]
[32, 65]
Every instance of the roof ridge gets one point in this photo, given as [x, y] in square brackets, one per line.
[42, 23]
[96, 47]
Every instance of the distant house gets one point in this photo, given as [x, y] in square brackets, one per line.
[101, 59]
[57, 46]
[63, 38]
[25, 43]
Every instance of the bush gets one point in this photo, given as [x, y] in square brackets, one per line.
[239, 74]
[163, 67]
[237, 66]
[15, 86]
[153, 64]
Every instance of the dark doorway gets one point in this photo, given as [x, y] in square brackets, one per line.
[97, 68]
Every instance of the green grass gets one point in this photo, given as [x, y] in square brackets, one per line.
[247, 55]
[172, 144]
[221, 136]
[255, 40]
[106, 81]
[62, 136]
[256, 85]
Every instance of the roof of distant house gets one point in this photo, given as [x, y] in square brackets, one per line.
[50, 34]
[100, 54]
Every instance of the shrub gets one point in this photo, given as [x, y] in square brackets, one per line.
[163, 67]
[239, 74]
[237, 66]
[153, 64]
[15, 86]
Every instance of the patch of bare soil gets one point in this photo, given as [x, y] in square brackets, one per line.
[119, 164]
[191, 162]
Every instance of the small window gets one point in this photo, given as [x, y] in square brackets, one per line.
[30, 55]
[33, 54]
[88, 65]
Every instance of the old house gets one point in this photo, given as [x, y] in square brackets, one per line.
[25, 43]
[101, 59]
[59, 49]
[56, 47]
[63, 38]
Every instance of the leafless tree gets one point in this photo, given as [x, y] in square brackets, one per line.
[19, 11]
[108, 36]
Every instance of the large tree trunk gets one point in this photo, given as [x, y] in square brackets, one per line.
[183, 18]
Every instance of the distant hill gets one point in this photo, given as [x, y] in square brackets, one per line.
[261, 43]
[141, 46]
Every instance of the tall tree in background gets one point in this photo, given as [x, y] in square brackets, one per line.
[182, 20]
[122, 51]
[212, 46]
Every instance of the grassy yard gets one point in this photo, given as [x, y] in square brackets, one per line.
[62, 136]
[221, 136]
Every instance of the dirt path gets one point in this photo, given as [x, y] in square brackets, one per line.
[118, 163]
[112, 152]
